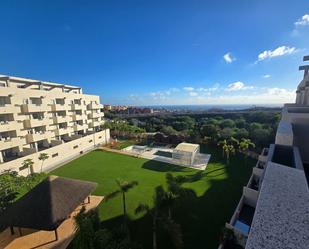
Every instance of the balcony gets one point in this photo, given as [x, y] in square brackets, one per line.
[94, 124]
[9, 126]
[94, 115]
[254, 182]
[242, 218]
[63, 131]
[76, 107]
[6, 143]
[285, 155]
[264, 155]
[78, 127]
[6, 109]
[61, 119]
[261, 165]
[31, 123]
[77, 117]
[59, 107]
[28, 108]
[94, 106]
[31, 138]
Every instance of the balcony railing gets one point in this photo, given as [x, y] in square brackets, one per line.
[8, 108]
[94, 106]
[31, 123]
[94, 115]
[63, 131]
[28, 108]
[78, 127]
[61, 119]
[10, 142]
[77, 117]
[94, 124]
[9, 126]
[30, 138]
[59, 107]
[76, 107]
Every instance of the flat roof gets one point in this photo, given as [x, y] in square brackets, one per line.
[187, 147]
[32, 81]
[282, 212]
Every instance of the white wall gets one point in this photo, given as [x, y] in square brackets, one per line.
[62, 153]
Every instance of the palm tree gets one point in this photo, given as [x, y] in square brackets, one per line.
[174, 191]
[245, 145]
[223, 144]
[86, 225]
[43, 157]
[230, 149]
[227, 149]
[158, 200]
[157, 215]
[123, 188]
[28, 164]
[234, 141]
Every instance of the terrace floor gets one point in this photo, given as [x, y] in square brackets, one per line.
[35, 239]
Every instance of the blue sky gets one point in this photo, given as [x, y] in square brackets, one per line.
[160, 52]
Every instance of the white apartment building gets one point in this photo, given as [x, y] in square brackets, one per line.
[273, 211]
[43, 117]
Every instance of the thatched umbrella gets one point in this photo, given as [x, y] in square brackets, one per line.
[48, 204]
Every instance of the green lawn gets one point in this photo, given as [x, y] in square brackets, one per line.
[217, 189]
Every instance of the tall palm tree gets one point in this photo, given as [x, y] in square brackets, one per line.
[86, 225]
[157, 215]
[28, 164]
[222, 144]
[43, 157]
[227, 149]
[245, 145]
[123, 188]
[174, 191]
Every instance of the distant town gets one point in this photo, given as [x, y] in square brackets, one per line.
[125, 110]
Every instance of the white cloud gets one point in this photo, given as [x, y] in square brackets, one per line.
[236, 86]
[192, 94]
[280, 51]
[174, 89]
[188, 88]
[266, 76]
[303, 21]
[229, 58]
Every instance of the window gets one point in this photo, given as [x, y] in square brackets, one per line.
[100, 137]
[76, 146]
[54, 155]
[90, 141]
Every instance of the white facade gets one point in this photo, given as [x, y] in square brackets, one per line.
[185, 153]
[37, 117]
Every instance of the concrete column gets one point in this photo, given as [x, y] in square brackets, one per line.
[306, 97]
[1, 157]
[36, 147]
[302, 97]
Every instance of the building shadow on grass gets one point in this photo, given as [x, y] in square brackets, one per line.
[162, 167]
[201, 217]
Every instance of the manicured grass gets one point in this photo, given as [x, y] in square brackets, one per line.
[217, 189]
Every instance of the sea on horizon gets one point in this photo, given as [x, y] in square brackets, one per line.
[210, 107]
